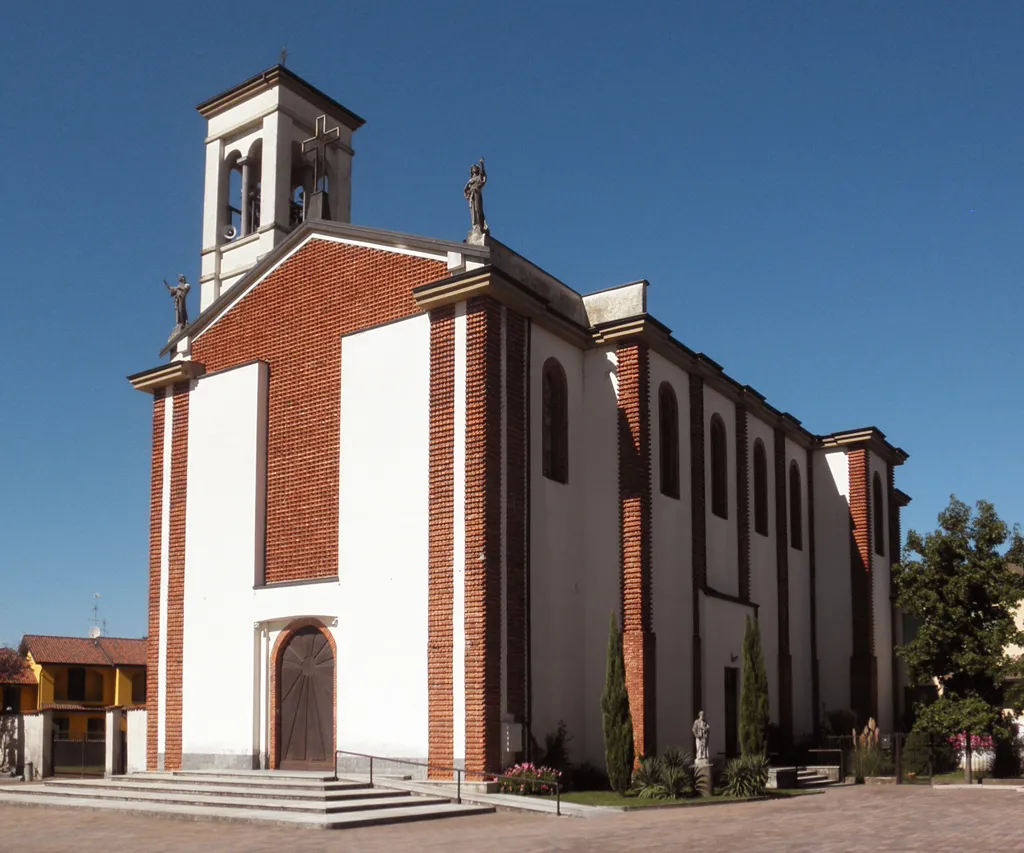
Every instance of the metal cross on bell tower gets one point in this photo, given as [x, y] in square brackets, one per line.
[317, 206]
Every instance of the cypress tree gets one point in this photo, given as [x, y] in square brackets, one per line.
[754, 696]
[615, 716]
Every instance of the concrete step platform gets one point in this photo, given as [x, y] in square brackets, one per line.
[255, 798]
[376, 800]
[336, 791]
[369, 817]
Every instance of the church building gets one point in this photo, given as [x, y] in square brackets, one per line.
[400, 484]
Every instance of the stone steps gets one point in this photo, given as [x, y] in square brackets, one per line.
[813, 779]
[319, 803]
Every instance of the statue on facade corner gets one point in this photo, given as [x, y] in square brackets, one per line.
[178, 294]
[701, 730]
[474, 193]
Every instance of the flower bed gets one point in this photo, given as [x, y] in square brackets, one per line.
[528, 779]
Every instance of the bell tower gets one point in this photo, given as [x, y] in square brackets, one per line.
[278, 152]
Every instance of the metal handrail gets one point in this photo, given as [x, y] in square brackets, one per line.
[457, 771]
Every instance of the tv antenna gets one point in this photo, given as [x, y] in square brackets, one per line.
[99, 624]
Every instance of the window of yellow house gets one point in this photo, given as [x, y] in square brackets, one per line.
[10, 699]
[76, 684]
[139, 688]
[93, 686]
[61, 726]
[96, 728]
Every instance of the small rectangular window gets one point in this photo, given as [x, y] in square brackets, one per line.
[76, 684]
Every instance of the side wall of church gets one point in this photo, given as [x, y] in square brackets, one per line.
[763, 578]
[558, 581]
[722, 541]
[672, 568]
[832, 572]
[800, 599]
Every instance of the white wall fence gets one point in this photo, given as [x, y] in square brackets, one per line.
[26, 743]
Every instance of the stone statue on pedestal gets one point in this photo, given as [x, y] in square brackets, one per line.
[474, 192]
[701, 730]
[178, 294]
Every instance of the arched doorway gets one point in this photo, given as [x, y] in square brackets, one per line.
[305, 701]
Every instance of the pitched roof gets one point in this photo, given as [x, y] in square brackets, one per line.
[103, 651]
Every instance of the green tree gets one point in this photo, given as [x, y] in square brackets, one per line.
[615, 717]
[963, 594]
[754, 717]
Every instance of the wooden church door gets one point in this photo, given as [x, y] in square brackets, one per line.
[306, 691]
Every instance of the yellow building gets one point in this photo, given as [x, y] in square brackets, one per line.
[78, 678]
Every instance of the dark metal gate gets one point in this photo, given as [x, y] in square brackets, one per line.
[82, 756]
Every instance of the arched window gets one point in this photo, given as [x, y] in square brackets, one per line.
[668, 436]
[878, 513]
[555, 422]
[760, 489]
[719, 469]
[796, 512]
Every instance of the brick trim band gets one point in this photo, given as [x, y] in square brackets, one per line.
[176, 579]
[441, 540]
[638, 639]
[156, 492]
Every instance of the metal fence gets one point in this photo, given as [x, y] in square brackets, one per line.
[82, 756]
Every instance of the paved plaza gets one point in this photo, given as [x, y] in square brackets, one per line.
[845, 819]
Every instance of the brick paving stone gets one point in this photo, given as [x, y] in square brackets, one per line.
[852, 820]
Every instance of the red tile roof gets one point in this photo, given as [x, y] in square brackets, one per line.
[82, 651]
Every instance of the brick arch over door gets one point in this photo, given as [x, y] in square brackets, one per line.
[276, 655]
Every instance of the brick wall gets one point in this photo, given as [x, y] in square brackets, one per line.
[441, 539]
[156, 491]
[483, 533]
[698, 517]
[294, 321]
[782, 585]
[638, 639]
[176, 578]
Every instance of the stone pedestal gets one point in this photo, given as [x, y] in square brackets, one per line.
[705, 778]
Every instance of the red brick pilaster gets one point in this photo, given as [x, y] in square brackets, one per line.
[863, 684]
[176, 578]
[441, 543]
[638, 639]
[782, 586]
[156, 492]
[516, 503]
[483, 534]
[698, 518]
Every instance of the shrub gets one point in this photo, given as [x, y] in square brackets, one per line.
[754, 716]
[527, 779]
[869, 759]
[670, 777]
[746, 776]
[556, 749]
[617, 723]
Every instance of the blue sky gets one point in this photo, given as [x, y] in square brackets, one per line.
[825, 196]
